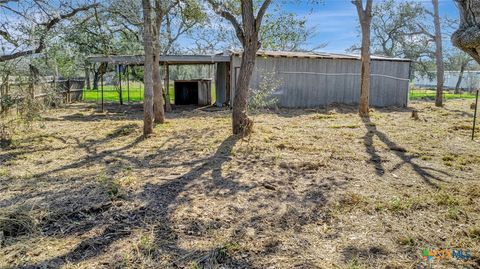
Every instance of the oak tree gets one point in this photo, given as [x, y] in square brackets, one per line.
[25, 35]
[247, 27]
[365, 17]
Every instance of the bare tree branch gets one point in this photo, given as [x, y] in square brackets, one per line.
[2, 2]
[47, 27]
[231, 18]
[261, 13]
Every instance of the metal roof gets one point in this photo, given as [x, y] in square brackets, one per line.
[225, 57]
[164, 59]
[318, 55]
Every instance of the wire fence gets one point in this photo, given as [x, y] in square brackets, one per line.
[14, 92]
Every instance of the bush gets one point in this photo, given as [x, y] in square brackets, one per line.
[29, 110]
[263, 96]
[6, 102]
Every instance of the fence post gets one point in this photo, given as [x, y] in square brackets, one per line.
[101, 83]
[2, 94]
[120, 83]
[475, 115]
[2, 90]
[69, 97]
[31, 90]
[128, 83]
[7, 88]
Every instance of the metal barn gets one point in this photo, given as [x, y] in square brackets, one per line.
[319, 79]
[304, 79]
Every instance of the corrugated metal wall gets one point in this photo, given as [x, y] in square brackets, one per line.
[307, 82]
[221, 84]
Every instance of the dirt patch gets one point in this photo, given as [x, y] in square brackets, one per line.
[308, 189]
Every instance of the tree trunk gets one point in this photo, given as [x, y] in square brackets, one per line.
[247, 33]
[240, 122]
[460, 78]
[87, 77]
[467, 37]
[365, 75]
[120, 89]
[365, 17]
[148, 116]
[158, 94]
[97, 74]
[158, 110]
[438, 55]
[96, 79]
[33, 81]
[157, 85]
[166, 91]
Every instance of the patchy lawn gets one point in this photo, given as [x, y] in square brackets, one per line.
[309, 189]
[426, 94]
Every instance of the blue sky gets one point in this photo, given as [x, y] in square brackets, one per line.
[335, 22]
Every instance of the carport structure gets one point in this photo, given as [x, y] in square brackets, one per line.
[306, 79]
[221, 62]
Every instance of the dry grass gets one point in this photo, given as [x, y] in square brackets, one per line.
[15, 223]
[309, 189]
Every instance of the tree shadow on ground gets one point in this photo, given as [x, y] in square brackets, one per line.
[115, 112]
[160, 199]
[426, 173]
[331, 109]
[159, 202]
[115, 159]
[41, 178]
[371, 255]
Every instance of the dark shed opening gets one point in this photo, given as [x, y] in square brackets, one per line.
[193, 92]
[186, 92]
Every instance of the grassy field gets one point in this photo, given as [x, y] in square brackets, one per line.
[110, 94]
[136, 94]
[424, 94]
[309, 189]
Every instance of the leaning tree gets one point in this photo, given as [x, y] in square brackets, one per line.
[458, 60]
[247, 27]
[467, 37]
